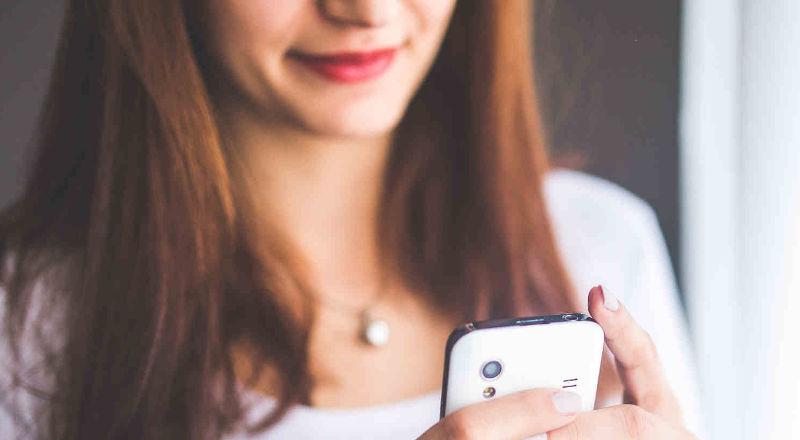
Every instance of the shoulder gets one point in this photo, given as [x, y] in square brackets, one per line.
[609, 236]
[576, 197]
[25, 369]
[605, 233]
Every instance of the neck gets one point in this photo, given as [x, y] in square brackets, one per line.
[322, 193]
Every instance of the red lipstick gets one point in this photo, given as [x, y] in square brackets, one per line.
[348, 67]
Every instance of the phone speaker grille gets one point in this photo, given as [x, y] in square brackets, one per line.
[569, 383]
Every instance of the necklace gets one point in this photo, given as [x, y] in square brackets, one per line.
[373, 331]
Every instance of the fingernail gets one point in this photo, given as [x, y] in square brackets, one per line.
[610, 301]
[567, 402]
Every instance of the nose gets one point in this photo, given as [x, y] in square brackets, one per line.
[364, 13]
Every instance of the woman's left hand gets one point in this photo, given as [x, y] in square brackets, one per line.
[651, 411]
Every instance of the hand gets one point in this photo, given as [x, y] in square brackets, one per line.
[516, 416]
[651, 411]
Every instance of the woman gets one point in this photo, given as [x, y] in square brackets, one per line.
[252, 218]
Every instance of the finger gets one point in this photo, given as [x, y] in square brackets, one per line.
[621, 422]
[609, 383]
[519, 415]
[637, 359]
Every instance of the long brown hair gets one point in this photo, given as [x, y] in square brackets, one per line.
[133, 203]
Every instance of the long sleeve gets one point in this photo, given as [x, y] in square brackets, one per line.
[655, 304]
[608, 236]
[21, 410]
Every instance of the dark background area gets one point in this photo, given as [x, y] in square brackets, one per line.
[28, 33]
[608, 80]
[607, 74]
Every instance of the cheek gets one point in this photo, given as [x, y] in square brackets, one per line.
[432, 18]
[433, 14]
[260, 26]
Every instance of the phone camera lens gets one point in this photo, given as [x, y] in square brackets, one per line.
[491, 369]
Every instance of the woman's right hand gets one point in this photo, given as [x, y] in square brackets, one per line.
[516, 416]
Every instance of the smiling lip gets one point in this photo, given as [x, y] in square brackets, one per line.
[348, 67]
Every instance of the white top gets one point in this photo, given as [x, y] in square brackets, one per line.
[607, 236]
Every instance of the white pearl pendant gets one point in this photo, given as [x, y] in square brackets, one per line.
[374, 332]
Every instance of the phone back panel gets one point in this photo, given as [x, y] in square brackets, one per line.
[553, 355]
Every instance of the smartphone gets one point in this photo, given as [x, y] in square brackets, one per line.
[489, 359]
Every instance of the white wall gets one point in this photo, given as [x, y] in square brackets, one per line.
[741, 195]
[770, 194]
[787, 386]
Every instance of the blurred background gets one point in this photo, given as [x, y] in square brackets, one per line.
[694, 106]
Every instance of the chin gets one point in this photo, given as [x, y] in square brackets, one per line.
[357, 123]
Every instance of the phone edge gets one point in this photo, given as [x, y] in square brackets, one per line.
[465, 329]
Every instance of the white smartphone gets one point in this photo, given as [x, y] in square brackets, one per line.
[489, 359]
